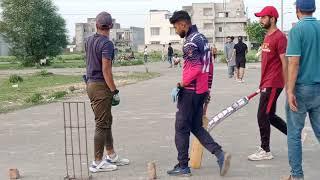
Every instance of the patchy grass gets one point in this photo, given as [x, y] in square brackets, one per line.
[44, 87]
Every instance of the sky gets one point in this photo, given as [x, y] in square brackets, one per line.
[133, 12]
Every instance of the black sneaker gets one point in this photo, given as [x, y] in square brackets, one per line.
[179, 171]
[224, 163]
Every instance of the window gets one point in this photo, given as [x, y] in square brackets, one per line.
[172, 31]
[155, 31]
[207, 12]
[220, 29]
[208, 26]
[167, 16]
[221, 14]
[155, 42]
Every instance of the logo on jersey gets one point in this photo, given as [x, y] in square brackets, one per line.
[265, 47]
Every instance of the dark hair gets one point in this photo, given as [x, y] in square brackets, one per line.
[169, 44]
[180, 16]
[240, 38]
[232, 38]
[275, 19]
[228, 37]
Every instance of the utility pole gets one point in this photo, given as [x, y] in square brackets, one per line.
[224, 20]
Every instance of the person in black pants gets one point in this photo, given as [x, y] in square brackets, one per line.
[240, 50]
[170, 55]
[273, 79]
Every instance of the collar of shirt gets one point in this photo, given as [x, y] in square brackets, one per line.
[97, 34]
[192, 30]
[308, 18]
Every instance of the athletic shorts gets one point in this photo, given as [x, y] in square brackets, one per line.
[241, 64]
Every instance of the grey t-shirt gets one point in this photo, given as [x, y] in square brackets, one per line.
[96, 47]
[228, 52]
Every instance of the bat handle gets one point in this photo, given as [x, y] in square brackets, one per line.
[253, 94]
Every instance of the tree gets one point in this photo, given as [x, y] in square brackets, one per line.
[33, 28]
[256, 32]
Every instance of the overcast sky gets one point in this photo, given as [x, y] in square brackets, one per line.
[133, 12]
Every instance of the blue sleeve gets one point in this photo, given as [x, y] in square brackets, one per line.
[108, 51]
[294, 43]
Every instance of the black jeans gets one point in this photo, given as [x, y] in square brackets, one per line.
[189, 119]
[267, 115]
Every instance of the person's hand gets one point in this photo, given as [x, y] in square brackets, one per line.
[175, 92]
[292, 101]
[207, 98]
[115, 98]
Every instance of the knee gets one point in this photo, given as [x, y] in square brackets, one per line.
[181, 126]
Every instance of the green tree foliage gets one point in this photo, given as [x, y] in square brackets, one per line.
[256, 32]
[33, 28]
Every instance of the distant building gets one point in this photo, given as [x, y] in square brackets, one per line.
[132, 36]
[128, 37]
[218, 20]
[158, 29]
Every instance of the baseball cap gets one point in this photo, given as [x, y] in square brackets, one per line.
[306, 5]
[104, 20]
[268, 11]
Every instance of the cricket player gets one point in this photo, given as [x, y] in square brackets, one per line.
[191, 94]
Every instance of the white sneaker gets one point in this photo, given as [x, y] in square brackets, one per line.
[117, 160]
[260, 155]
[104, 166]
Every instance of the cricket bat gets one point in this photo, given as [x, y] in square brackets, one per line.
[222, 115]
[196, 147]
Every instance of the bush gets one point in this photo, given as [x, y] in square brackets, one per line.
[58, 95]
[251, 56]
[43, 73]
[35, 98]
[15, 78]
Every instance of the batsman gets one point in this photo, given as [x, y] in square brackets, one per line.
[191, 94]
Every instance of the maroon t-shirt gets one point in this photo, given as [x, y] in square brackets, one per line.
[273, 46]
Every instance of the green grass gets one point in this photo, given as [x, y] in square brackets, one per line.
[10, 66]
[45, 87]
[27, 92]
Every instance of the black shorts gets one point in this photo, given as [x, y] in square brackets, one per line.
[241, 64]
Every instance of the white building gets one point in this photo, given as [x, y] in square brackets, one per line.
[218, 20]
[215, 20]
[158, 29]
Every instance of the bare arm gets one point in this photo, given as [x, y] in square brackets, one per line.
[293, 68]
[107, 73]
[284, 68]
